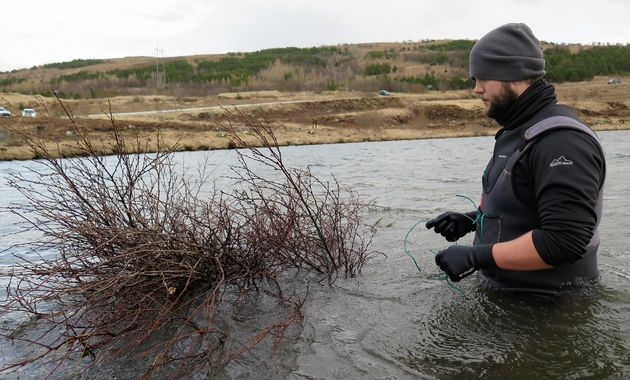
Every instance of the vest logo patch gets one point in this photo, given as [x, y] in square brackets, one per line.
[560, 161]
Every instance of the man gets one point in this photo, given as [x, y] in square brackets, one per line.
[536, 226]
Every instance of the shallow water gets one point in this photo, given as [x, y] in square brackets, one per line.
[397, 322]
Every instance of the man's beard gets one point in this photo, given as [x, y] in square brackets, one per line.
[503, 102]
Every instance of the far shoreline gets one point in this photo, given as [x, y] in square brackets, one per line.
[62, 149]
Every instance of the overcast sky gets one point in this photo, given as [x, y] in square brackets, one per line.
[43, 31]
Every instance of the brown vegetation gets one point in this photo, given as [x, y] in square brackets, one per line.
[147, 266]
[297, 118]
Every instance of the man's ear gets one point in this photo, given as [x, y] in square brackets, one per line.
[520, 86]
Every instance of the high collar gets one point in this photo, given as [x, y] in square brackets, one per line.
[537, 96]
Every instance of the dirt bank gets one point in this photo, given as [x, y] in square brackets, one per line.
[297, 118]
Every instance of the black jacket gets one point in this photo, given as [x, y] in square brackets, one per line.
[564, 200]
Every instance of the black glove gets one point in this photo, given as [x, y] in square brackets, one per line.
[453, 225]
[460, 261]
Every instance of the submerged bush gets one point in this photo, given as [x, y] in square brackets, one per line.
[147, 265]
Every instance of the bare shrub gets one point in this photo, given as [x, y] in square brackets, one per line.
[139, 252]
[314, 224]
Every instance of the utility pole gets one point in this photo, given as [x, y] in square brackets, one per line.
[160, 82]
[157, 67]
[164, 78]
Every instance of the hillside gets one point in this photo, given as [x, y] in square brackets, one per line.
[411, 67]
[309, 96]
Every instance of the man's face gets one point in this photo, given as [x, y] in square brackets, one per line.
[497, 96]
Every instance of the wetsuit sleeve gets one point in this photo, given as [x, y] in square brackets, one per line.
[568, 169]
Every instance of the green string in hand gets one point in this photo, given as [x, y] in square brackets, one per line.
[405, 244]
[479, 219]
[444, 277]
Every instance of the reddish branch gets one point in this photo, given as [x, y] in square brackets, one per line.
[139, 254]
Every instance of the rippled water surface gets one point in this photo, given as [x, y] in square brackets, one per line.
[397, 322]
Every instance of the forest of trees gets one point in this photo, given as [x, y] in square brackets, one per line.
[564, 66]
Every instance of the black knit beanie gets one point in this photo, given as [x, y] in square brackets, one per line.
[508, 53]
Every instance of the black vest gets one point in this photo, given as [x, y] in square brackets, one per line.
[505, 218]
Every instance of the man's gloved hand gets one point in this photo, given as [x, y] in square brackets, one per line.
[460, 261]
[453, 225]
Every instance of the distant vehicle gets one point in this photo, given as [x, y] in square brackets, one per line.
[29, 112]
[4, 112]
[383, 93]
[614, 81]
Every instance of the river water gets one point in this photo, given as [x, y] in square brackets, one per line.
[397, 322]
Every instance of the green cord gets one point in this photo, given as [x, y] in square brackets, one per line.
[448, 281]
[445, 277]
[480, 215]
[455, 287]
[479, 219]
[405, 244]
[465, 197]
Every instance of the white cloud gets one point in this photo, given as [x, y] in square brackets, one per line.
[41, 31]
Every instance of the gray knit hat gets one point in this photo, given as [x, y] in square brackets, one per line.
[508, 53]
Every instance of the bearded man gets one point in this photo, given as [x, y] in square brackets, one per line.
[536, 228]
